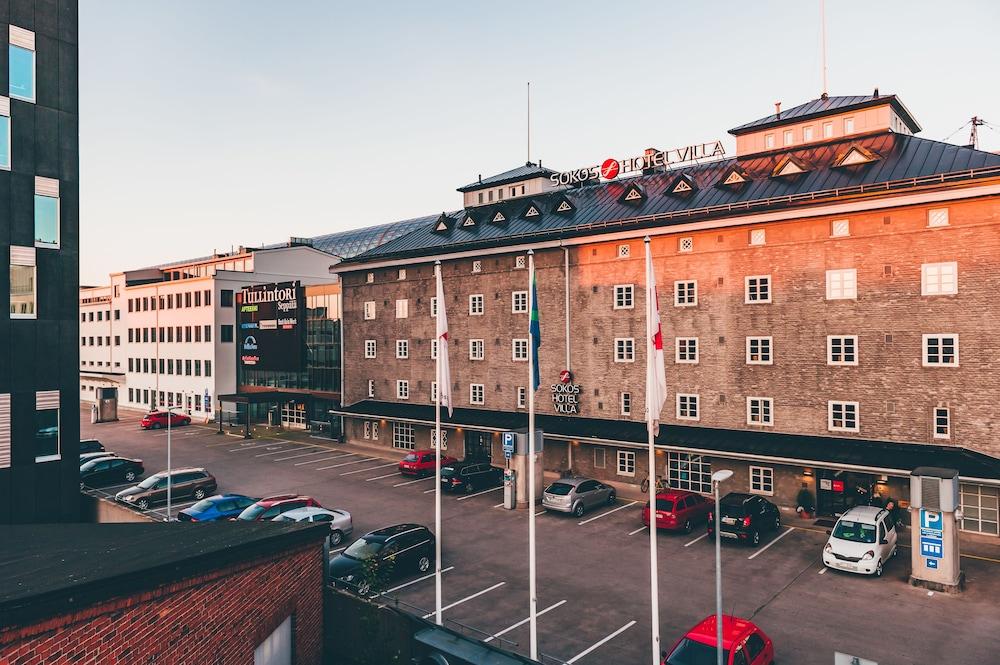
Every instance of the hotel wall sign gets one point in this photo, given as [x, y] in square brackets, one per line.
[566, 398]
[612, 168]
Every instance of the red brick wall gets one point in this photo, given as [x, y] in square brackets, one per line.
[216, 618]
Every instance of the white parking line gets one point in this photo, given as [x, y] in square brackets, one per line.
[174, 507]
[761, 550]
[253, 446]
[469, 496]
[370, 468]
[605, 514]
[594, 646]
[274, 452]
[388, 475]
[326, 459]
[523, 621]
[822, 570]
[642, 528]
[321, 451]
[334, 466]
[339, 549]
[419, 579]
[410, 482]
[704, 535]
[540, 512]
[468, 598]
[499, 505]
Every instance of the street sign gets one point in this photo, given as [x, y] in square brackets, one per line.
[932, 548]
[931, 534]
[931, 563]
[508, 444]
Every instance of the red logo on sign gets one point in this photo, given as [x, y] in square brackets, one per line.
[838, 486]
[609, 169]
[565, 376]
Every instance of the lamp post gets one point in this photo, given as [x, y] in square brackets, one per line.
[718, 477]
[170, 479]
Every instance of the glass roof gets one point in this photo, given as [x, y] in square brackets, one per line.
[357, 241]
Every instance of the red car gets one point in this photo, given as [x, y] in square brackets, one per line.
[743, 643]
[421, 462]
[270, 507]
[158, 419]
[678, 510]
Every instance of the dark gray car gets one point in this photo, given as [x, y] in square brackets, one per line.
[577, 495]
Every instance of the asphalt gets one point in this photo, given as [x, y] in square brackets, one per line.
[593, 579]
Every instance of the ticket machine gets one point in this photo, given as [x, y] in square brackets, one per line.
[516, 450]
[935, 510]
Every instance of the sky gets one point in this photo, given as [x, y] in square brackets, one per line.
[209, 124]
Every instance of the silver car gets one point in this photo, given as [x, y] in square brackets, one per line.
[340, 521]
[577, 495]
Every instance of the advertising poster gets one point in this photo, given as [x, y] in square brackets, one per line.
[269, 326]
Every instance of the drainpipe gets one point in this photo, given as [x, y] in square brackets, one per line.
[569, 444]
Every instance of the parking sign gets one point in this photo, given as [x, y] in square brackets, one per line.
[508, 444]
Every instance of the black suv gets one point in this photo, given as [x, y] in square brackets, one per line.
[382, 555]
[744, 517]
[470, 476]
[109, 470]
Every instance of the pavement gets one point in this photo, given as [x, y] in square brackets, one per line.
[593, 581]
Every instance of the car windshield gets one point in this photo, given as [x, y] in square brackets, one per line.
[284, 518]
[559, 489]
[363, 549]
[201, 506]
[410, 458]
[733, 508]
[90, 464]
[149, 482]
[447, 471]
[665, 505]
[689, 652]
[856, 532]
[251, 513]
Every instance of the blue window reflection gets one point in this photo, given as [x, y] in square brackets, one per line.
[22, 72]
[46, 220]
[4, 142]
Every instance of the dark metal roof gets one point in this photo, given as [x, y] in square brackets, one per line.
[357, 241]
[51, 569]
[827, 106]
[529, 170]
[262, 396]
[819, 450]
[901, 160]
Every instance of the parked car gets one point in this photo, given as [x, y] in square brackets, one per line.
[392, 552]
[339, 520]
[109, 470]
[421, 463]
[86, 457]
[743, 643]
[470, 476]
[218, 507]
[91, 446]
[158, 419]
[577, 495]
[744, 517]
[184, 483]
[863, 539]
[679, 510]
[270, 507]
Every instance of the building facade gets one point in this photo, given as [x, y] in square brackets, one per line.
[39, 219]
[826, 298]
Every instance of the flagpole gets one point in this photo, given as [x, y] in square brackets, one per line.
[437, 456]
[533, 600]
[650, 417]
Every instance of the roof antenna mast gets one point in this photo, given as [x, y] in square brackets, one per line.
[822, 31]
[976, 123]
[529, 122]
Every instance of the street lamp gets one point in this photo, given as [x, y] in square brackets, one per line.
[718, 477]
[170, 479]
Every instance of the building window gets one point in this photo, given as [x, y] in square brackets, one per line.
[807, 134]
[4, 134]
[758, 237]
[402, 436]
[848, 126]
[789, 137]
[600, 458]
[370, 348]
[762, 480]
[371, 387]
[370, 277]
[522, 397]
[626, 463]
[624, 251]
[768, 141]
[687, 407]
[843, 416]
[842, 350]
[434, 306]
[940, 350]
[477, 266]
[21, 63]
[402, 349]
[689, 472]
[937, 217]
[519, 302]
[624, 350]
[47, 425]
[434, 392]
[225, 298]
[842, 284]
[476, 304]
[686, 350]
[685, 244]
[444, 439]
[686, 293]
[827, 130]
[22, 283]
[477, 349]
[476, 393]
[939, 279]
[520, 262]
[840, 228]
[625, 403]
[434, 349]
[942, 422]
[624, 296]
[402, 389]
[758, 289]
[402, 274]
[370, 310]
[226, 334]
[519, 350]
[402, 308]
[979, 508]
[760, 411]
[759, 351]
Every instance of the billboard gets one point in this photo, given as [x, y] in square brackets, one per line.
[269, 325]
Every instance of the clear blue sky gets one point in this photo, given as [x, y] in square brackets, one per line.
[207, 124]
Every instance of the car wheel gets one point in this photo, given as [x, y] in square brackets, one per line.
[129, 476]
[468, 488]
[687, 526]
[155, 426]
[755, 538]
[578, 510]
[143, 504]
[364, 588]
[336, 538]
[611, 499]
[423, 564]
[878, 568]
[199, 494]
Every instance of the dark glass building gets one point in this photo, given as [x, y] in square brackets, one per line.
[39, 278]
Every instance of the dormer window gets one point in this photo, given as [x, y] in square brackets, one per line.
[563, 206]
[769, 141]
[734, 178]
[827, 130]
[848, 125]
[500, 194]
[531, 212]
[468, 221]
[856, 155]
[480, 198]
[789, 137]
[633, 195]
[491, 195]
[682, 186]
[807, 134]
[789, 166]
[499, 218]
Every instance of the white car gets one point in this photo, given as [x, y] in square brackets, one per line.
[340, 521]
[863, 539]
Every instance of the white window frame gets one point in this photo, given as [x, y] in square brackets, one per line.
[848, 125]
[934, 278]
[402, 349]
[827, 130]
[807, 133]
[829, 350]
[520, 262]
[522, 397]
[473, 345]
[371, 348]
[832, 405]
[685, 244]
[402, 389]
[761, 341]
[946, 434]
[624, 296]
[842, 284]
[403, 437]
[401, 275]
[938, 217]
[402, 308]
[940, 337]
[48, 188]
[625, 404]
[688, 399]
[519, 349]
[473, 300]
[685, 287]
[758, 280]
[626, 463]
[371, 388]
[25, 40]
[473, 389]
[444, 438]
[624, 349]
[368, 429]
[761, 478]
[23, 261]
[370, 278]
[688, 471]
[370, 310]
[840, 228]
[477, 266]
[768, 141]
[519, 302]
[788, 137]
[624, 251]
[434, 307]
[434, 349]
[758, 237]
[374, 430]
[765, 407]
[686, 357]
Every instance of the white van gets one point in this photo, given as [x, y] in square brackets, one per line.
[863, 539]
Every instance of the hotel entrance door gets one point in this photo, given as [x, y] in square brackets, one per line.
[478, 446]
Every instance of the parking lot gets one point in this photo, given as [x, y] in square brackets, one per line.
[593, 596]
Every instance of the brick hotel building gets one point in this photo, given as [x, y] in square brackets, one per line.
[827, 296]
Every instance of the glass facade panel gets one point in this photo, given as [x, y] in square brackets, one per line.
[22, 291]
[22, 72]
[4, 142]
[46, 220]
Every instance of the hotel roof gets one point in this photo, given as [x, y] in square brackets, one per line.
[827, 106]
[529, 170]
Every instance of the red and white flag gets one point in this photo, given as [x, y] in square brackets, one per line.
[656, 375]
[444, 374]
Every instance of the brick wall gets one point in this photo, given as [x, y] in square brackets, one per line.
[217, 618]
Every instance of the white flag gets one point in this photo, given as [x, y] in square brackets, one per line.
[656, 376]
[444, 382]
